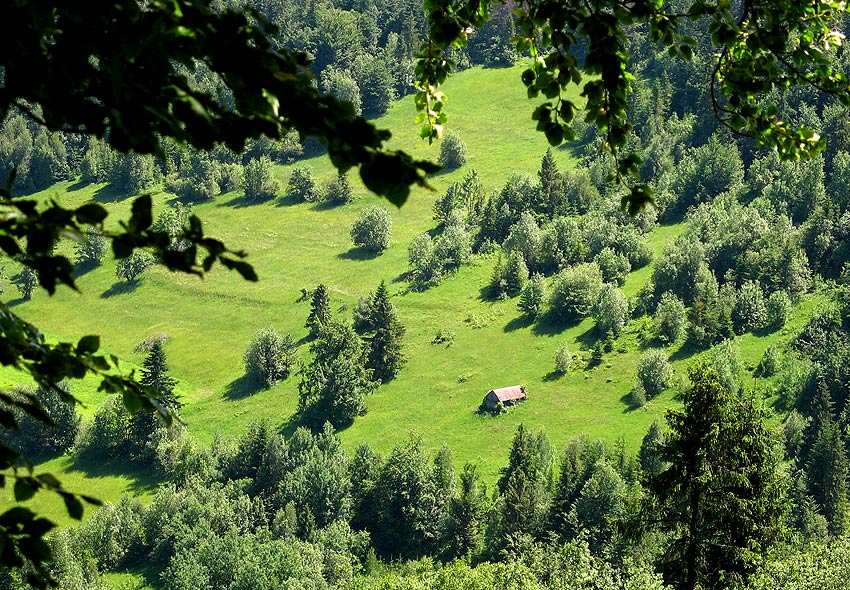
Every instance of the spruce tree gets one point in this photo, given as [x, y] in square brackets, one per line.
[721, 498]
[384, 357]
[551, 187]
[320, 310]
[827, 474]
[154, 375]
[334, 385]
[648, 454]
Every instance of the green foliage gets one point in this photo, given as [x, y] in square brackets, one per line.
[721, 455]
[257, 181]
[532, 299]
[654, 372]
[40, 439]
[563, 359]
[320, 310]
[750, 311]
[670, 319]
[91, 250]
[269, 356]
[372, 229]
[302, 185]
[342, 85]
[611, 311]
[778, 309]
[453, 152]
[425, 268]
[132, 267]
[338, 190]
[334, 385]
[26, 280]
[648, 455]
[383, 333]
[575, 291]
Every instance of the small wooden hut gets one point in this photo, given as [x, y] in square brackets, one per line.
[507, 396]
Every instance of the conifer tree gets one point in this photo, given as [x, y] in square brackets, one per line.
[384, 356]
[827, 474]
[648, 454]
[334, 385]
[721, 498]
[155, 375]
[320, 310]
[466, 514]
[551, 187]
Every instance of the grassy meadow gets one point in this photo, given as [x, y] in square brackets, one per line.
[209, 322]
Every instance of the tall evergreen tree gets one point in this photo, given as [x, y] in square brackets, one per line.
[551, 187]
[320, 310]
[466, 514]
[384, 356]
[156, 376]
[333, 386]
[648, 454]
[827, 476]
[721, 498]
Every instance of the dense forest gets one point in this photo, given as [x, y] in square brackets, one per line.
[722, 493]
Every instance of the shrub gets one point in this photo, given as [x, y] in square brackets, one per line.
[132, 267]
[269, 356]
[533, 297]
[777, 310]
[26, 280]
[563, 359]
[770, 363]
[372, 229]
[425, 268]
[91, 250]
[302, 185]
[257, 181]
[670, 318]
[613, 265]
[611, 311]
[637, 396]
[576, 291]
[749, 312]
[453, 247]
[338, 190]
[453, 151]
[654, 372]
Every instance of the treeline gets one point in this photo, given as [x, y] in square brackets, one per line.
[269, 512]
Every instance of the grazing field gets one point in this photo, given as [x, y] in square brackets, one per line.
[209, 322]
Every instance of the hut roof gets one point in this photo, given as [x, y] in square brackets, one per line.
[507, 394]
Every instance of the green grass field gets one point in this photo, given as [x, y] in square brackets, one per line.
[209, 322]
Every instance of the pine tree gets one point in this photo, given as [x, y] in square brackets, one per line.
[334, 385]
[384, 356]
[320, 310]
[827, 474]
[721, 498]
[551, 187]
[466, 514]
[648, 454]
[154, 375]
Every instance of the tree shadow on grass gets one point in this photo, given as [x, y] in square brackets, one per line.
[243, 201]
[552, 376]
[120, 288]
[141, 475]
[358, 253]
[326, 205]
[626, 400]
[78, 185]
[588, 338]
[687, 350]
[288, 201]
[549, 325]
[518, 323]
[242, 387]
[15, 302]
[109, 194]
